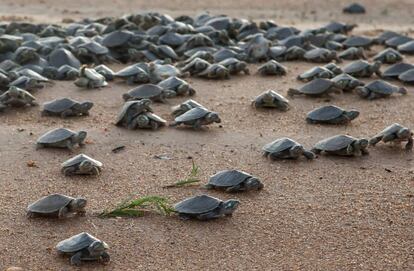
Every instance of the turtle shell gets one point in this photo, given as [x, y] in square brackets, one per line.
[192, 114]
[116, 38]
[61, 56]
[381, 55]
[125, 108]
[315, 53]
[407, 77]
[407, 48]
[314, 71]
[357, 41]
[145, 91]
[393, 128]
[59, 105]
[395, 70]
[95, 48]
[79, 159]
[386, 35]
[49, 204]
[227, 178]
[381, 86]
[76, 243]
[335, 143]
[56, 135]
[155, 118]
[316, 86]
[356, 66]
[397, 41]
[129, 71]
[172, 82]
[172, 39]
[197, 205]
[279, 145]
[345, 76]
[325, 113]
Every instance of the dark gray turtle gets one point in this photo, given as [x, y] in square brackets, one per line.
[133, 75]
[362, 68]
[17, 97]
[257, 48]
[406, 48]
[147, 120]
[394, 133]
[354, 8]
[93, 52]
[66, 107]
[67, 72]
[197, 117]
[163, 52]
[24, 55]
[352, 53]
[235, 66]
[321, 55]
[272, 67]
[159, 72]
[81, 164]
[204, 55]
[407, 77]
[331, 114]
[315, 72]
[56, 205]
[215, 71]
[318, 87]
[379, 89]
[343, 145]
[178, 85]
[61, 56]
[27, 83]
[89, 78]
[148, 91]
[293, 53]
[397, 41]
[337, 27]
[347, 82]
[386, 35]
[286, 148]
[333, 68]
[84, 247]
[393, 71]
[130, 110]
[225, 53]
[359, 42]
[204, 207]
[271, 99]
[184, 107]
[388, 56]
[105, 71]
[234, 181]
[9, 43]
[61, 138]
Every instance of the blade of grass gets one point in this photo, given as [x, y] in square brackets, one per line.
[191, 178]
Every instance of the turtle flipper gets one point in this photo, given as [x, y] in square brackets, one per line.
[76, 259]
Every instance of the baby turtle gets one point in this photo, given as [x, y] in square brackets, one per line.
[359, 42]
[354, 8]
[215, 71]
[388, 56]
[56, 205]
[394, 133]
[89, 78]
[204, 207]
[286, 148]
[316, 88]
[362, 68]
[197, 117]
[66, 107]
[271, 99]
[333, 68]
[147, 120]
[353, 53]
[331, 114]
[17, 97]
[148, 91]
[234, 181]
[61, 138]
[272, 67]
[84, 247]
[133, 75]
[178, 85]
[81, 164]
[393, 71]
[130, 110]
[235, 66]
[315, 72]
[407, 48]
[321, 55]
[379, 89]
[343, 145]
[184, 107]
[407, 77]
[347, 82]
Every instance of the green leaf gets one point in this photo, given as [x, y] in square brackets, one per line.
[191, 178]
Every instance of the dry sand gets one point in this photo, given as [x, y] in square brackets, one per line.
[328, 214]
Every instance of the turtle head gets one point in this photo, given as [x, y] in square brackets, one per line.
[78, 204]
[253, 183]
[404, 133]
[352, 114]
[97, 248]
[362, 91]
[86, 106]
[143, 120]
[296, 150]
[376, 66]
[72, 74]
[142, 77]
[213, 117]
[229, 206]
[50, 72]
[169, 93]
[86, 166]
[361, 144]
[80, 137]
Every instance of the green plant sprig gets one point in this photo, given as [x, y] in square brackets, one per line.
[191, 178]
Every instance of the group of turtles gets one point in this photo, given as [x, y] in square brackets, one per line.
[163, 52]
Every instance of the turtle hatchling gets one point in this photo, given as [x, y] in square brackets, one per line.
[286, 148]
[205, 207]
[316, 88]
[129, 112]
[407, 77]
[147, 120]
[315, 72]
[178, 85]
[184, 107]
[271, 99]
[17, 97]
[272, 67]
[66, 107]
[56, 205]
[388, 56]
[196, 118]
[379, 89]
[61, 138]
[149, 91]
[84, 247]
[89, 78]
[347, 82]
[331, 114]
[234, 181]
[394, 133]
[81, 164]
[343, 145]
[362, 68]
